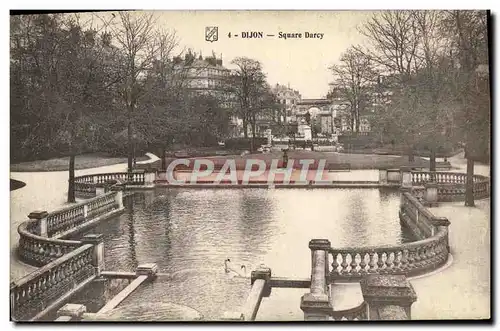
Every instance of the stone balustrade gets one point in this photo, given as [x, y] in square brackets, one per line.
[103, 204]
[37, 250]
[39, 241]
[441, 177]
[351, 264]
[91, 185]
[34, 295]
[450, 185]
[66, 218]
[414, 258]
[86, 189]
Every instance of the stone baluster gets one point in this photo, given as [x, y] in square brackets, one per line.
[371, 263]
[388, 297]
[41, 216]
[344, 263]
[98, 251]
[380, 262]
[335, 264]
[353, 263]
[316, 304]
[362, 263]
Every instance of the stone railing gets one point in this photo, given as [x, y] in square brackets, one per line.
[386, 297]
[410, 259]
[38, 251]
[33, 296]
[450, 185]
[95, 184]
[39, 237]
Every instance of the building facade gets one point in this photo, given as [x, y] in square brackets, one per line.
[288, 99]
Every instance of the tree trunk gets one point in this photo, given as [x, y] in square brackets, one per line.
[411, 156]
[469, 184]
[71, 181]
[432, 163]
[252, 142]
[130, 147]
[245, 127]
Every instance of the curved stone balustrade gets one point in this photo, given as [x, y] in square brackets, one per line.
[87, 185]
[410, 259]
[34, 294]
[37, 250]
[351, 264]
[451, 185]
[358, 313]
[38, 238]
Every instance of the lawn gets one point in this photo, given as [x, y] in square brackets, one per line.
[83, 161]
[356, 161]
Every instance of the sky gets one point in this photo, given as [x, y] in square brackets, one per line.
[302, 63]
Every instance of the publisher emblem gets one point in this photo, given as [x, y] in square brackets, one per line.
[211, 33]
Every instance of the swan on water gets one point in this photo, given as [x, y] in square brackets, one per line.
[229, 269]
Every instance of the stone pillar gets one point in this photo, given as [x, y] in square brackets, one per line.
[316, 304]
[405, 178]
[147, 269]
[382, 176]
[262, 273]
[119, 198]
[381, 291]
[98, 258]
[41, 216]
[431, 194]
[72, 310]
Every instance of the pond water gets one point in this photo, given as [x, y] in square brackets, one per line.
[189, 233]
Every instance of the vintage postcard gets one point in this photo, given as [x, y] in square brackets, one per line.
[250, 166]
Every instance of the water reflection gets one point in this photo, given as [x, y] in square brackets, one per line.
[189, 233]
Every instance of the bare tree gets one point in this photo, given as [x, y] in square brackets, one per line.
[467, 32]
[248, 85]
[353, 77]
[139, 44]
[394, 40]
